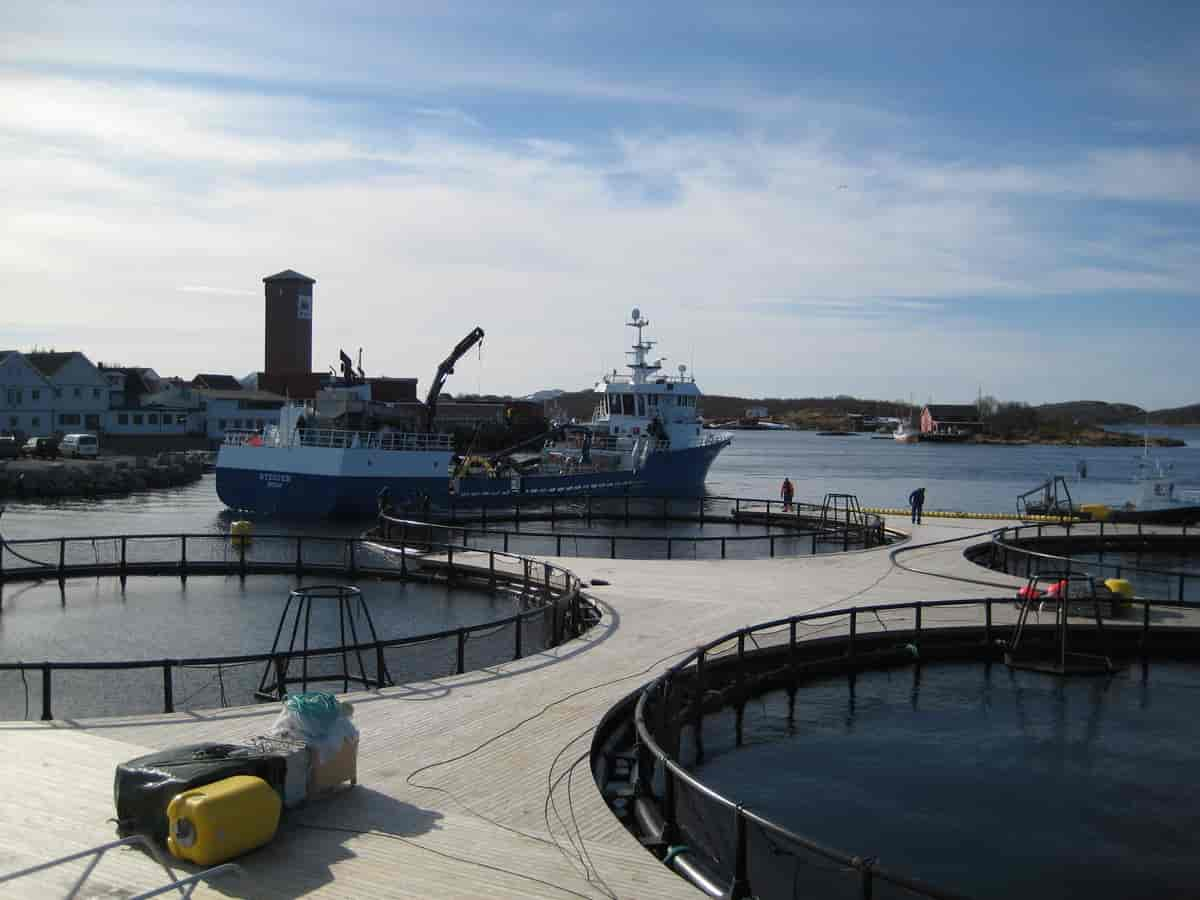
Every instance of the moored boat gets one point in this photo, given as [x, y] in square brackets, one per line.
[644, 438]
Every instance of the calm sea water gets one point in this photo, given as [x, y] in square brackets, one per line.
[879, 472]
[977, 779]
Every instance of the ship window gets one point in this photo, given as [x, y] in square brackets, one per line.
[641, 405]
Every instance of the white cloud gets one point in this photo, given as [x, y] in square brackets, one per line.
[168, 204]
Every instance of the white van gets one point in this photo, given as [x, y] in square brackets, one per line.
[80, 445]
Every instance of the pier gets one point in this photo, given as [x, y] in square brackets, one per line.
[476, 784]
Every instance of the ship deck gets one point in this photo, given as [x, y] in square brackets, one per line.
[466, 787]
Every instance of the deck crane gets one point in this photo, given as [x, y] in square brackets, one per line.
[444, 370]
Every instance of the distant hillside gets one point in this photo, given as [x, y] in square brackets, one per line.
[822, 411]
[1180, 415]
[1089, 412]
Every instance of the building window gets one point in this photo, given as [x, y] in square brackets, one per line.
[36, 421]
[137, 418]
[12, 421]
[220, 424]
[68, 419]
[78, 393]
[58, 393]
[123, 418]
[181, 419]
[95, 393]
[36, 394]
[258, 423]
[153, 417]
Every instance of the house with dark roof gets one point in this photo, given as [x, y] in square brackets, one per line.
[26, 397]
[217, 382]
[951, 418]
[79, 391]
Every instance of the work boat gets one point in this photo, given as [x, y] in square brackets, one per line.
[335, 455]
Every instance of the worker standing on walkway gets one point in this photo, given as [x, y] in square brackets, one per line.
[917, 501]
[787, 492]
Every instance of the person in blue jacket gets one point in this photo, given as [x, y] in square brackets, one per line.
[917, 501]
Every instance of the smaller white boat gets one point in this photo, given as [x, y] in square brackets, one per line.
[906, 434]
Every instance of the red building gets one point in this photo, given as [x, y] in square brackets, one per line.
[951, 418]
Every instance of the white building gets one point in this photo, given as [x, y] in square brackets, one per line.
[25, 397]
[79, 391]
[51, 393]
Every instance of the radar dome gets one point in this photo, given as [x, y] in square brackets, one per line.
[637, 314]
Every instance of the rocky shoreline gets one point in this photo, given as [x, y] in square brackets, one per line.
[108, 476]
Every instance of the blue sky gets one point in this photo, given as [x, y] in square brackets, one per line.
[879, 199]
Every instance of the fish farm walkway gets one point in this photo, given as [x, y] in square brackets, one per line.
[454, 775]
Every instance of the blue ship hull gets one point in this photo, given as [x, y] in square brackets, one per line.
[309, 495]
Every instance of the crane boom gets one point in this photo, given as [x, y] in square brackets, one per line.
[447, 369]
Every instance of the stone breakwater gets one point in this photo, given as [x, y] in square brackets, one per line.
[35, 478]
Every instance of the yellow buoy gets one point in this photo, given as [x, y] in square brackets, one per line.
[240, 532]
[1121, 587]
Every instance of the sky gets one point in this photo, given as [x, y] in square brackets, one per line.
[888, 200]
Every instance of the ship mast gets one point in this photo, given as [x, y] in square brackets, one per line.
[641, 368]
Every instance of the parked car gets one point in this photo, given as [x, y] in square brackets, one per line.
[41, 447]
[80, 445]
[9, 447]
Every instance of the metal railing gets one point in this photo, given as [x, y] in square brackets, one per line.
[552, 610]
[852, 525]
[1012, 551]
[741, 664]
[339, 438]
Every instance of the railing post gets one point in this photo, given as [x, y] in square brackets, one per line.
[558, 545]
[814, 543]
[1145, 625]
[517, 640]
[299, 556]
[853, 631]
[350, 552]
[404, 551]
[987, 621]
[183, 554]
[46, 714]
[698, 724]
[917, 607]
[669, 541]
[380, 664]
[1181, 577]
[552, 506]
[123, 565]
[506, 542]
[739, 888]
[62, 559]
[792, 644]
[242, 556]
[612, 553]
[670, 820]
[722, 548]
[492, 569]
[168, 688]
[546, 582]
[462, 651]
[868, 879]
[280, 677]
[449, 563]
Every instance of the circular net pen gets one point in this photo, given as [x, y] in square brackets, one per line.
[540, 606]
[710, 527]
[685, 763]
